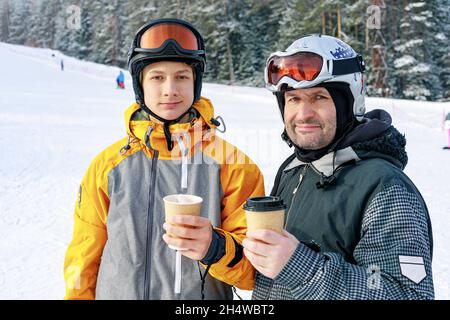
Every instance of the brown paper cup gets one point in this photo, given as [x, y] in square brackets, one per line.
[181, 204]
[273, 220]
[265, 213]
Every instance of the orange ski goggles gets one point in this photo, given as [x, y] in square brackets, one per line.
[155, 36]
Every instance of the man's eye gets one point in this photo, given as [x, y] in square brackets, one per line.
[320, 97]
[156, 78]
[183, 77]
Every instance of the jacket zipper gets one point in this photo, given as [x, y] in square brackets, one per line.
[294, 193]
[149, 225]
[300, 180]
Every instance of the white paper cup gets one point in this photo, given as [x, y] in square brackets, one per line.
[181, 204]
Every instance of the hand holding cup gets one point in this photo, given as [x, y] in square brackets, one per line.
[187, 231]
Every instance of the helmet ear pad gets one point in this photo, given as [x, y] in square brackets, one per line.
[343, 103]
[281, 99]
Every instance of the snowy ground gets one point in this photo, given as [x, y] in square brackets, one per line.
[53, 123]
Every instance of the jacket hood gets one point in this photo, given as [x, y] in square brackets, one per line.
[389, 146]
[377, 138]
[151, 134]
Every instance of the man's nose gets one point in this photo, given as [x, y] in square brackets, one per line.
[304, 111]
[170, 87]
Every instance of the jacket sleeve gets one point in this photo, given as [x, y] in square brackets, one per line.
[239, 182]
[89, 237]
[393, 256]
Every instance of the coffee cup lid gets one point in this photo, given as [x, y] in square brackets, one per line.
[264, 204]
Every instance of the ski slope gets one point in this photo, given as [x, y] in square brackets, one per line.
[54, 122]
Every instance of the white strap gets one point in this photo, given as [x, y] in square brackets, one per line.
[184, 168]
[177, 288]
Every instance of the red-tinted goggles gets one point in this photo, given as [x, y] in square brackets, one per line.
[299, 66]
[155, 36]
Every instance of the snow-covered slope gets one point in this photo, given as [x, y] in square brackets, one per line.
[53, 123]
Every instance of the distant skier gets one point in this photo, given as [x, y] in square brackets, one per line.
[62, 65]
[120, 80]
[447, 128]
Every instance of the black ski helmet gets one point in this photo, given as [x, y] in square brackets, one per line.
[169, 50]
[166, 40]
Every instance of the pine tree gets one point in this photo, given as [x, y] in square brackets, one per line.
[353, 24]
[34, 36]
[83, 37]
[415, 68]
[302, 17]
[229, 35]
[372, 42]
[131, 16]
[256, 19]
[18, 30]
[217, 21]
[4, 20]
[105, 37]
[445, 76]
[240, 35]
[394, 14]
[65, 26]
[44, 23]
[442, 52]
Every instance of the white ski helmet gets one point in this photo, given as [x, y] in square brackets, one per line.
[316, 59]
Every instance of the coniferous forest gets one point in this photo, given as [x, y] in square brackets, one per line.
[405, 43]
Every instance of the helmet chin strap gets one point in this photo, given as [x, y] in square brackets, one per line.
[166, 123]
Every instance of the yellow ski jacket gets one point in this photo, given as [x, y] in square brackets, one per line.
[117, 251]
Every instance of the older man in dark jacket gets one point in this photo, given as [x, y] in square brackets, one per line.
[356, 227]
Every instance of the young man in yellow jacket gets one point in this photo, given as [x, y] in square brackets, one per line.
[120, 243]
